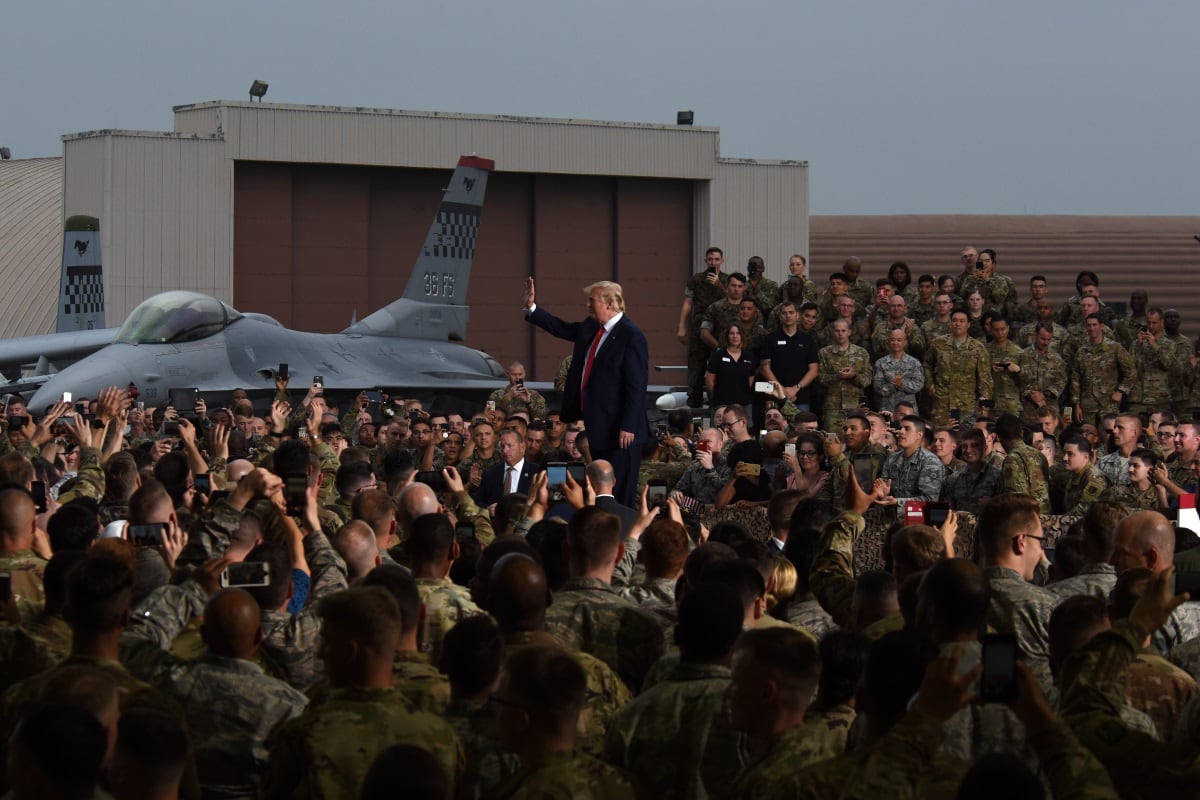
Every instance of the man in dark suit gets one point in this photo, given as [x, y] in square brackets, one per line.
[600, 473]
[606, 385]
[497, 481]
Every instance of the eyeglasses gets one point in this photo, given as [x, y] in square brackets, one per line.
[806, 453]
[1041, 539]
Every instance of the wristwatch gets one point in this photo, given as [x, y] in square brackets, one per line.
[97, 424]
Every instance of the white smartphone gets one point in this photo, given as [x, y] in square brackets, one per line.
[764, 387]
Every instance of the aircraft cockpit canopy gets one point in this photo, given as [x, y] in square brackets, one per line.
[176, 317]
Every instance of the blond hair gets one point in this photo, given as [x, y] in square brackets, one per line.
[610, 293]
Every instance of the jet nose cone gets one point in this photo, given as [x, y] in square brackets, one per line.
[83, 379]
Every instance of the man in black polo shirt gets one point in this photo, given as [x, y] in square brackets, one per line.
[788, 359]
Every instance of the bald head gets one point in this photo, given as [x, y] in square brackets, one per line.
[518, 594]
[1144, 539]
[18, 519]
[355, 543]
[600, 473]
[415, 500]
[238, 469]
[231, 624]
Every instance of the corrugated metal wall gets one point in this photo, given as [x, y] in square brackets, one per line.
[758, 209]
[31, 235]
[165, 206]
[1153, 253]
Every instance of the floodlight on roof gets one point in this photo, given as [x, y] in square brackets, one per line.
[684, 117]
[5, 153]
[258, 89]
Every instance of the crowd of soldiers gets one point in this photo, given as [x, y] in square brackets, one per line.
[376, 599]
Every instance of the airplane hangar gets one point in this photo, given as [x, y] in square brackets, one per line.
[315, 214]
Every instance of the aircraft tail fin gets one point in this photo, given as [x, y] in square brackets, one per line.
[81, 287]
[433, 305]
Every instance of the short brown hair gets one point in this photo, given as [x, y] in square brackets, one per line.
[1004, 516]
[915, 548]
[664, 548]
[593, 536]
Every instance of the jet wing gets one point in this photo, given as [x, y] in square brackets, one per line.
[57, 348]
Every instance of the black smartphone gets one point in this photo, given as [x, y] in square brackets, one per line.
[433, 479]
[183, 400]
[38, 490]
[5, 586]
[862, 400]
[319, 380]
[656, 492]
[999, 681]
[171, 427]
[374, 397]
[283, 370]
[464, 530]
[556, 473]
[219, 494]
[17, 421]
[150, 535]
[936, 513]
[202, 484]
[295, 489]
[246, 573]
[578, 471]
[955, 414]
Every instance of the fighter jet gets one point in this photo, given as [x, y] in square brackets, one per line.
[184, 339]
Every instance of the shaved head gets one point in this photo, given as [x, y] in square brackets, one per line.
[355, 543]
[232, 624]
[415, 500]
[18, 518]
[1144, 539]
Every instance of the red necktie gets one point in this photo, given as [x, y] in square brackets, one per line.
[591, 359]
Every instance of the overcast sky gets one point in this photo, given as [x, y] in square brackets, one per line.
[899, 107]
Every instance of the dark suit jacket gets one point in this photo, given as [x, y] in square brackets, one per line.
[628, 515]
[615, 399]
[491, 483]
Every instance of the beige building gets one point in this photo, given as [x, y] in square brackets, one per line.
[314, 214]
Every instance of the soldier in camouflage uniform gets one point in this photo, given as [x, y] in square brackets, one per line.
[896, 320]
[326, 751]
[967, 489]
[516, 397]
[1093, 684]
[703, 289]
[1100, 377]
[1010, 534]
[587, 613]
[845, 372]
[433, 550]
[1043, 376]
[1027, 312]
[897, 377]
[922, 307]
[1024, 470]
[549, 687]
[516, 596]
[1005, 360]
[560, 374]
[18, 517]
[229, 738]
[860, 330]
[1159, 362]
[798, 268]
[1075, 483]
[957, 371]
[706, 473]
[1072, 312]
[999, 293]
[861, 290]
[724, 312]
[759, 288]
[793, 291]
[1126, 329]
[1058, 334]
[1183, 380]
[675, 738]
[938, 324]
[774, 677]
